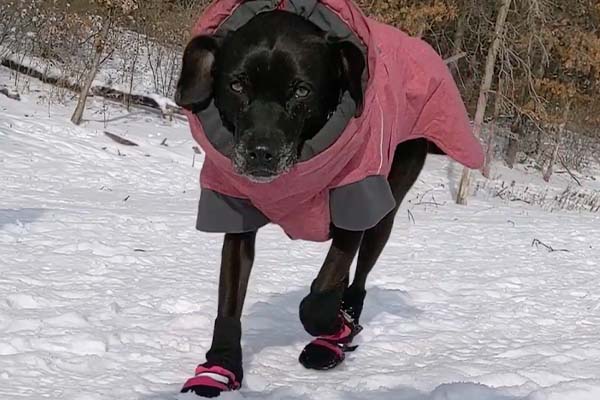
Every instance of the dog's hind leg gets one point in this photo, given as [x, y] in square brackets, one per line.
[409, 159]
[223, 368]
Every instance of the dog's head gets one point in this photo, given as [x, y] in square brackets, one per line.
[275, 81]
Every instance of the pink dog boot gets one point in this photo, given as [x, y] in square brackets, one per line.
[327, 352]
[211, 381]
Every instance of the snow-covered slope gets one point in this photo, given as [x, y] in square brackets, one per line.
[107, 291]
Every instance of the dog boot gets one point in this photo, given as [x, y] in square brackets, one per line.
[211, 381]
[327, 352]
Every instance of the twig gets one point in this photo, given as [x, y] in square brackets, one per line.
[119, 139]
[455, 58]
[110, 53]
[537, 243]
[425, 193]
[501, 192]
[411, 217]
[562, 162]
[429, 203]
[524, 201]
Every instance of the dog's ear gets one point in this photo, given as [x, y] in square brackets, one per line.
[352, 62]
[195, 84]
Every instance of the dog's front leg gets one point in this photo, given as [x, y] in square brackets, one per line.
[319, 311]
[223, 368]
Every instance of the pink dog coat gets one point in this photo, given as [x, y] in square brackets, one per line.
[341, 180]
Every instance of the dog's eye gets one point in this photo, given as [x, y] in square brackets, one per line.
[237, 86]
[301, 92]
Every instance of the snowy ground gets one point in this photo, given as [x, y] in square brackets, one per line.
[107, 291]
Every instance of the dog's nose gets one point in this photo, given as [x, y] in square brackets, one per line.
[261, 155]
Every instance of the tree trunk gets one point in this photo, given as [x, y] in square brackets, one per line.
[458, 41]
[540, 73]
[516, 131]
[519, 125]
[85, 88]
[490, 63]
[550, 168]
[489, 145]
[133, 65]
[539, 144]
[559, 133]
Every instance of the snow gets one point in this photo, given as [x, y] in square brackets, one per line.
[107, 291]
[163, 102]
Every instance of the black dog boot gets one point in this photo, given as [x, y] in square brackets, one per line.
[222, 371]
[211, 381]
[327, 352]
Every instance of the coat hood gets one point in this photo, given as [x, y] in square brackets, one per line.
[340, 19]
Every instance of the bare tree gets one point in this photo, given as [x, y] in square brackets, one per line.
[489, 143]
[93, 71]
[559, 133]
[457, 42]
[114, 9]
[486, 84]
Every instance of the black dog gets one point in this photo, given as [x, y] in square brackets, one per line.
[275, 82]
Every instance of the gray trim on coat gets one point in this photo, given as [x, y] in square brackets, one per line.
[226, 214]
[355, 207]
[361, 205]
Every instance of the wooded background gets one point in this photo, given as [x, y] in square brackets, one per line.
[543, 95]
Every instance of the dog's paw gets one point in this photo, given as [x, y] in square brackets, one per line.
[211, 381]
[204, 391]
[327, 352]
[322, 355]
[319, 312]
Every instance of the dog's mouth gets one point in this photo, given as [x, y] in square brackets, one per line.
[259, 175]
[263, 174]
